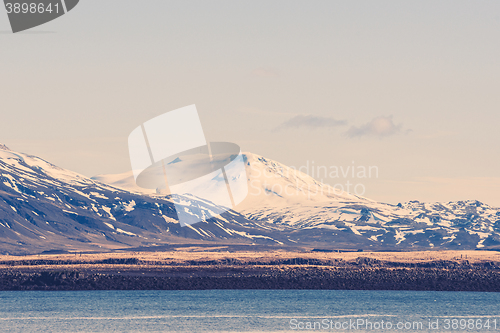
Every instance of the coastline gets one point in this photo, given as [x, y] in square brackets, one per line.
[219, 269]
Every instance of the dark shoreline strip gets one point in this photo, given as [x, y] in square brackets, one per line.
[197, 278]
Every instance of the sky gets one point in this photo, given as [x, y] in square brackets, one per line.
[411, 88]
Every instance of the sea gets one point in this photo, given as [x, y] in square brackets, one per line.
[249, 311]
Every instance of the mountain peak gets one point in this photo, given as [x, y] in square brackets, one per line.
[4, 147]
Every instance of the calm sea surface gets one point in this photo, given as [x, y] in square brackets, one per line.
[249, 311]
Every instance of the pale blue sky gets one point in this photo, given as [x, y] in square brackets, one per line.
[425, 73]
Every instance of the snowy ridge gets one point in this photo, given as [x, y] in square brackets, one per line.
[283, 197]
[463, 224]
[44, 207]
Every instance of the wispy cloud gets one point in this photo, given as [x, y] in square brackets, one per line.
[266, 72]
[379, 126]
[312, 122]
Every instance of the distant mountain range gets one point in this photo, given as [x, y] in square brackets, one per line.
[46, 208]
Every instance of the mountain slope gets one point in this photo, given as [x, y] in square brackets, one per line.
[311, 205]
[44, 207]
[323, 216]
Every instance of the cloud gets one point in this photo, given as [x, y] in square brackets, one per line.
[266, 72]
[312, 122]
[380, 126]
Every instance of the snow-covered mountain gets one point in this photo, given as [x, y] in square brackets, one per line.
[44, 207]
[285, 196]
[321, 215]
